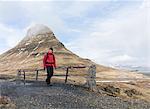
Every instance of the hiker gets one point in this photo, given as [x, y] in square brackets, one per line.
[49, 63]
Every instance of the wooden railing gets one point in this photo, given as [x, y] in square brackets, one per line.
[24, 71]
[90, 82]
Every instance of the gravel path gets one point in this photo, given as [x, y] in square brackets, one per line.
[40, 96]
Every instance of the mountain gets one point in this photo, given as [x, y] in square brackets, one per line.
[28, 54]
[142, 69]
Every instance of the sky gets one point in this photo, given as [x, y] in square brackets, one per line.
[109, 32]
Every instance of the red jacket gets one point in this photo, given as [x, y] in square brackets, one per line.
[49, 59]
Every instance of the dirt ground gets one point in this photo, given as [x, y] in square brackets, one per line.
[37, 95]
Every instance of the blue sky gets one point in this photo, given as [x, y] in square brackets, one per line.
[109, 32]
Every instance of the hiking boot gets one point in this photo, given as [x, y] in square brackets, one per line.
[46, 80]
[50, 85]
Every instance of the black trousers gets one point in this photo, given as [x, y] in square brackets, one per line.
[50, 72]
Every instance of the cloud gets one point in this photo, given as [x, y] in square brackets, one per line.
[107, 32]
[16, 17]
[9, 37]
[122, 38]
[122, 58]
[78, 8]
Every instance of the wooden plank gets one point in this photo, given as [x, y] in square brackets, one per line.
[60, 75]
[60, 67]
[78, 67]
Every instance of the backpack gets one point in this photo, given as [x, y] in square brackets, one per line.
[50, 60]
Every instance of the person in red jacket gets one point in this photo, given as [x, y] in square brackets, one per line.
[49, 63]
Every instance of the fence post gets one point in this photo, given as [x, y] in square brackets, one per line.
[37, 74]
[66, 74]
[18, 77]
[90, 82]
[24, 74]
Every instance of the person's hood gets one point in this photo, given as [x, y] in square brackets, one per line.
[50, 52]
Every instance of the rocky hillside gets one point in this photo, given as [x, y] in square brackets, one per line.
[29, 53]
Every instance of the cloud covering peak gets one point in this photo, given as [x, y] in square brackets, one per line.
[37, 29]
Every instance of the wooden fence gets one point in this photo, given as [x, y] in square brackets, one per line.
[90, 81]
